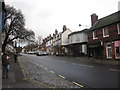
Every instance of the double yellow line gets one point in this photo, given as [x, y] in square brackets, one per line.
[38, 83]
[78, 84]
[72, 82]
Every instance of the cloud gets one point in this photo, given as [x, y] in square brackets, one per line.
[44, 16]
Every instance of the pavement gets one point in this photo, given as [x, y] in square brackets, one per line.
[16, 77]
[100, 61]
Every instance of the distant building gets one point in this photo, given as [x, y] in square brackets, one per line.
[64, 40]
[104, 37]
[49, 44]
[78, 43]
[55, 42]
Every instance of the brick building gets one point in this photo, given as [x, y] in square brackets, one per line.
[104, 37]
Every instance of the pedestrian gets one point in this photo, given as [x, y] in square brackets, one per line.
[15, 57]
[5, 65]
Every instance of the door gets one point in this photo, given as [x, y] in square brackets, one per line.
[109, 51]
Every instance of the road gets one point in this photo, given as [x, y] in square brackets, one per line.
[88, 74]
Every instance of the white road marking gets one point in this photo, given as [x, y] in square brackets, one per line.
[63, 61]
[52, 72]
[36, 63]
[45, 68]
[74, 63]
[86, 65]
[114, 70]
[61, 76]
[78, 84]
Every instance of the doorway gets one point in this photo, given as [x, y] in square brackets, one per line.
[109, 51]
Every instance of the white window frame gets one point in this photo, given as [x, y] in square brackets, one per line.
[118, 28]
[104, 33]
[108, 47]
[94, 35]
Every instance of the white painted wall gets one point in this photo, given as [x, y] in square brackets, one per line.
[84, 49]
[64, 37]
[78, 38]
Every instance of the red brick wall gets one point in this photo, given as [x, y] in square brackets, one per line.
[104, 45]
[113, 34]
[113, 50]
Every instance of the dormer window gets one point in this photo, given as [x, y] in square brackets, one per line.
[95, 36]
[105, 32]
[118, 28]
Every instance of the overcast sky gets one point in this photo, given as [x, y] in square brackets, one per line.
[44, 16]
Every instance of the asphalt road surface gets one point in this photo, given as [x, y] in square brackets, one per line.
[88, 74]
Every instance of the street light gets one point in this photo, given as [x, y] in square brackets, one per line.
[83, 25]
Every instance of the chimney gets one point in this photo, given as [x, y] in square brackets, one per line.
[119, 6]
[56, 32]
[94, 19]
[64, 28]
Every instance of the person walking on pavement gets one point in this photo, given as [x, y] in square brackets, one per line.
[5, 65]
[15, 57]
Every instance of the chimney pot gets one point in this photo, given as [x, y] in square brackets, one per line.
[94, 19]
[64, 28]
[56, 32]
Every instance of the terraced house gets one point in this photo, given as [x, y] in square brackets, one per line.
[104, 37]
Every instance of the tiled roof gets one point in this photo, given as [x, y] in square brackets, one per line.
[113, 18]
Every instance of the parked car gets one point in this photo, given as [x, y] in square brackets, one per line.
[41, 53]
[45, 53]
[30, 52]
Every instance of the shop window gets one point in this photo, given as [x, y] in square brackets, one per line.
[95, 36]
[105, 32]
[118, 28]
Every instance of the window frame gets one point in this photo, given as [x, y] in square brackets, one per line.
[95, 36]
[104, 32]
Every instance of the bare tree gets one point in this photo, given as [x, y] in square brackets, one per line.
[14, 27]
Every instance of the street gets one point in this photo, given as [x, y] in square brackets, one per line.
[86, 74]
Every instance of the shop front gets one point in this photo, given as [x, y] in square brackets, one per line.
[95, 50]
[112, 49]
